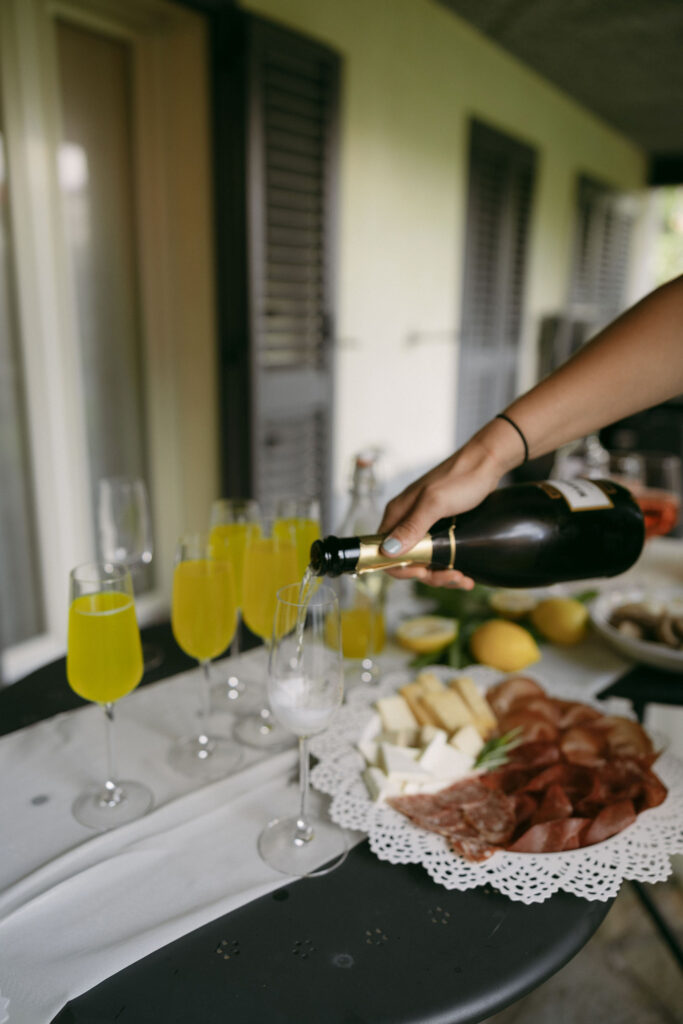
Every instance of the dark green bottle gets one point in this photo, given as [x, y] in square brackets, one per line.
[526, 535]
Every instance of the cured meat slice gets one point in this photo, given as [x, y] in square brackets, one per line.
[534, 728]
[554, 805]
[544, 707]
[571, 713]
[551, 836]
[516, 688]
[582, 745]
[610, 820]
[535, 755]
[494, 819]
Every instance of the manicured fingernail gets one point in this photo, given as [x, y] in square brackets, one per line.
[391, 546]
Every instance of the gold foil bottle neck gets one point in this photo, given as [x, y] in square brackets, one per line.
[372, 558]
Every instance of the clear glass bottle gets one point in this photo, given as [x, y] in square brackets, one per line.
[361, 598]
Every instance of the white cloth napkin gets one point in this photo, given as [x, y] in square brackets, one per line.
[75, 908]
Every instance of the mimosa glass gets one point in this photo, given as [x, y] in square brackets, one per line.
[203, 618]
[660, 498]
[305, 688]
[361, 602]
[302, 515]
[232, 522]
[270, 562]
[103, 664]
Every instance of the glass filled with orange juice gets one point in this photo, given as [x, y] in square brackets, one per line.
[270, 563]
[232, 522]
[361, 603]
[300, 516]
[103, 664]
[203, 619]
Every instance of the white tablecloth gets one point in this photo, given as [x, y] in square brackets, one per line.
[77, 907]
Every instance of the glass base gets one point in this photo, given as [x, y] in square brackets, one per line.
[204, 757]
[112, 805]
[237, 696]
[360, 673]
[263, 731]
[323, 852]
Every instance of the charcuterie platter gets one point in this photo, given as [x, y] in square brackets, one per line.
[561, 796]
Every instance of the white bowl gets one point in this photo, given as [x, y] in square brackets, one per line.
[649, 653]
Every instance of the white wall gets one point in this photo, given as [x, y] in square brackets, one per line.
[413, 76]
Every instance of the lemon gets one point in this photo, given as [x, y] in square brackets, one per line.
[563, 620]
[426, 633]
[513, 604]
[504, 645]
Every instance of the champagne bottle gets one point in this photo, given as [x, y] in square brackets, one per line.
[525, 535]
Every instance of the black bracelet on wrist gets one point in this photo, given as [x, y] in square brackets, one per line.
[503, 416]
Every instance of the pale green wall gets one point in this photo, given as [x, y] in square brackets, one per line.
[413, 75]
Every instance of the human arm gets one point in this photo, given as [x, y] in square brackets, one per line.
[634, 363]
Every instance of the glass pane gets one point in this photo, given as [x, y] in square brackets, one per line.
[21, 611]
[96, 170]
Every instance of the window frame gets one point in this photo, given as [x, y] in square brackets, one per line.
[176, 259]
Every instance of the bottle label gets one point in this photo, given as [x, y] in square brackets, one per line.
[581, 495]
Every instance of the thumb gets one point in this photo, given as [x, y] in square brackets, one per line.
[408, 532]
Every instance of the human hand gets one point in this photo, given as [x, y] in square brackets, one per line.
[457, 484]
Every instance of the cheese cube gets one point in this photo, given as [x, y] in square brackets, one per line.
[401, 737]
[450, 764]
[412, 694]
[380, 785]
[428, 757]
[468, 740]
[449, 709]
[482, 715]
[370, 750]
[393, 758]
[396, 714]
[430, 682]
[372, 727]
[428, 732]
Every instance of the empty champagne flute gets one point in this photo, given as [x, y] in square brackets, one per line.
[103, 664]
[232, 522]
[270, 562]
[305, 688]
[203, 618]
[124, 529]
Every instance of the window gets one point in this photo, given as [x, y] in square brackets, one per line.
[501, 180]
[107, 335]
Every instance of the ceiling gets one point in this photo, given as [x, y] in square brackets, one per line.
[622, 59]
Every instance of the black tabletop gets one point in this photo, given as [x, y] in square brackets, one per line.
[369, 942]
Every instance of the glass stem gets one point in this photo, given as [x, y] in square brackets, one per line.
[304, 831]
[204, 702]
[112, 792]
[235, 648]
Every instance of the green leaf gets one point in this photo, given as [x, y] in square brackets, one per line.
[585, 596]
[495, 753]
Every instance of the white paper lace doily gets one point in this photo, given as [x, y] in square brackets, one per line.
[641, 852]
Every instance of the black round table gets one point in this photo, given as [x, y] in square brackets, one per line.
[370, 942]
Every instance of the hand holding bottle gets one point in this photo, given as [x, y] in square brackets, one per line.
[457, 484]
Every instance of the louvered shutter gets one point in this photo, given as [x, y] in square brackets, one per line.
[292, 152]
[501, 179]
[602, 249]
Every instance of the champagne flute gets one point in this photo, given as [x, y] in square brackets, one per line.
[103, 664]
[270, 562]
[203, 618]
[232, 522]
[302, 515]
[305, 687]
[361, 602]
[125, 535]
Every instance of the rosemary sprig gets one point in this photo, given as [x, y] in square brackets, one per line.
[495, 752]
